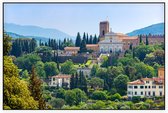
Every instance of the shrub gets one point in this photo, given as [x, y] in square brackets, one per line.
[115, 96]
[99, 95]
[136, 99]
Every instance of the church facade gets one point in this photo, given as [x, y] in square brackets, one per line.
[111, 42]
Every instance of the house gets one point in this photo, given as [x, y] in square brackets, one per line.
[146, 87]
[70, 51]
[60, 80]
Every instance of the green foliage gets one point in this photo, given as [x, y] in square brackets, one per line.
[96, 83]
[16, 94]
[88, 63]
[75, 96]
[57, 103]
[136, 99]
[6, 44]
[44, 52]
[115, 96]
[142, 50]
[25, 74]
[105, 61]
[27, 61]
[68, 67]
[39, 67]
[120, 83]
[94, 70]
[145, 70]
[50, 69]
[99, 105]
[36, 90]
[60, 93]
[99, 95]
[78, 40]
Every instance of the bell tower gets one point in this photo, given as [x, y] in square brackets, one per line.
[104, 28]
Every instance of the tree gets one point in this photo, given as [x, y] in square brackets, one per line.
[33, 45]
[99, 95]
[78, 40]
[44, 52]
[50, 69]
[95, 40]
[25, 74]
[68, 67]
[72, 82]
[16, 94]
[105, 62]
[96, 83]
[90, 40]
[6, 44]
[99, 105]
[121, 84]
[60, 93]
[94, 70]
[26, 62]
[57, 103]
[159, 56]
[35, 89]
[130, 71]
[140, 38]
[115, 96]
[142, 50]
[39, 67]
[75, 96]
[147, 41]
[83, 46]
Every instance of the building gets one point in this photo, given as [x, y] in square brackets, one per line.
[161, 72]
[70, 51]
[86, 71]
[111, 42]
[146, 87]
[93, 47]
[153, 39]
[103, 28]
[60, 80]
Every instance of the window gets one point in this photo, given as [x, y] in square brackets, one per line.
[147, 82]
[153, 87]
[135, 93]
[160, 87]
[160, 93]
[145, 93]
[141, 92]
[135, 87]
[153, 93]
[130, 87]
[53, 79]
[145, 87]
[141, 87]
[149, 93]
[149, 87]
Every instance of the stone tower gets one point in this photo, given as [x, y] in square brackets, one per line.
[104, 28]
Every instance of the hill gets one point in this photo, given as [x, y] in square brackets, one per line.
[35, 31]
[155, 29]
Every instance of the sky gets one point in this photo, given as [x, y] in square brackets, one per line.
[73, 18]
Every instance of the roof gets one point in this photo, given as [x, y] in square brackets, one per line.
[156, 80]
[72, 48]
[137, 82]
[92, 45]
[129, 38]
[60, 76]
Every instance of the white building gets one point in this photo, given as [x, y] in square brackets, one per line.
[146, 87]
[60, 80]
[111, 44]
[86, 71]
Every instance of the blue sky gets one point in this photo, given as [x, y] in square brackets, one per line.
[73, 18]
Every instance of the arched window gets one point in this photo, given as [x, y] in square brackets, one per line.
[103, 32]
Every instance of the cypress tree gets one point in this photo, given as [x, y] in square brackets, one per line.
[140, 37]
[147, 41]
[130, 46]
[90, 40]
[87, 39]
[78, 40]
[76, 80]
[72, 82]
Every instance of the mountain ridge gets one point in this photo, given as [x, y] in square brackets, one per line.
[154, 29]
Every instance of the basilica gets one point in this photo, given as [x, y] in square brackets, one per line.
[111, 42]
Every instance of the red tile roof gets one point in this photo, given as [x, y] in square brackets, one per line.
[60, 76]
[72, 48]
[137, 82]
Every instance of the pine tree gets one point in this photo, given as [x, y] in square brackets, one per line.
[78, 40]
[35, 89]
